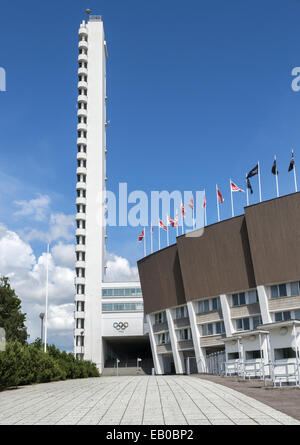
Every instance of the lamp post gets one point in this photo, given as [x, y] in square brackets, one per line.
[137, 364]
[118, 361]
[42, 315]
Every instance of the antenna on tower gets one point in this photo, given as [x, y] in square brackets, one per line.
[88, 11]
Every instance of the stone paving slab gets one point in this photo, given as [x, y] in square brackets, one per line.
[138, 400]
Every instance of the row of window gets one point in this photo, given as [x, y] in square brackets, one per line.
[80, 256]
[163, 339]
[285, 290]
[287, 315]
[181, 312]
[213, 328]
[122, 292]
[247, 323]
[212, 304]
[160, 318]
[279, 354]
[80, 323]
[80, 306]
[241, 298]
[118, 307]
[184, 334]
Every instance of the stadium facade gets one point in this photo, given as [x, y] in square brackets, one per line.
[231, 293]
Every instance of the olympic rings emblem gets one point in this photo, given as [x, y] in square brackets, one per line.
[120, 326]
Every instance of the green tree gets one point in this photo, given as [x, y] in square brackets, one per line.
[11, 317]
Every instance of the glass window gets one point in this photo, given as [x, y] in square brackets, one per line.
[274, 292]
[216, 304]
[242, 298]
[210, 329]
[220, 328]
[256, 321]
[284, 353]
[297, 314]
[235, 299]
[282, 290]
[246, 322]
[278, 316]
[287, 315]
[233, 355]
[252, 355]
[243, 324]
[252, 296]
[206, 306]
[295, 288]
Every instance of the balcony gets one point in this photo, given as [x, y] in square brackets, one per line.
[81, 185]
[83, 70]
[80, 264]
[78, 332]
[80, 216]
[83, 44]
[79, 297]
[81, 155]
[78, 314]
[82, 84]
[81, 141]
[81, 171]
[83, 30]
[82, 112]
[80, 248]
[81, 232]
[82, 58]
[82, 98]
[79, 280]
[82, 126]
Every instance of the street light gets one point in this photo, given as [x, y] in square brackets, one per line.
[42, 315]
[118, 361]
[137, 364]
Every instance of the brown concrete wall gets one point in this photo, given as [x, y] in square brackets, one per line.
[217, 262]
[274, 235]
[161, 280]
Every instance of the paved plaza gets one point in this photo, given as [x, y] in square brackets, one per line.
[139, 400]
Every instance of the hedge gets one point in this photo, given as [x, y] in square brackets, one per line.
[27, 364]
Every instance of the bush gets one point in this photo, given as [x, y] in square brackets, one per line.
[27, 364]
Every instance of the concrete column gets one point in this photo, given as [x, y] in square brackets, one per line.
[200, 358]
[176, 354]
[156, 361]
[264, 304]
[226, 315]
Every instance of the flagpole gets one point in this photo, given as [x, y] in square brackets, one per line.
[205, 218]
[295, 177]
[232, 209]
[158, 235]
[276, 176]
[247, 191]
[167, 230]
[145, 241]
[151, 239]
[46, 309]
[193, 217]
[182, 229]
[176, 222]
[218, 203]
[259, 184]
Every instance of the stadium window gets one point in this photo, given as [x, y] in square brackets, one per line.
[252, 355]
[256, 321]
[295, 288]
[284, 353]
[297, 314]
[252, 296]
[220, 328]
[233, 356]
[238, 299]
[243, 324]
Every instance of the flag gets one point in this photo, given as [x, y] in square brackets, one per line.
[191, 203]
[182, 210]
[274, 168]
[292, 163]
[220, 197]
[204, 202]
[151, 229]
[173, 222]
[162, 226]
[249, 186]
[176, 217]
[141, 236]
[235, 188]
[253, 172]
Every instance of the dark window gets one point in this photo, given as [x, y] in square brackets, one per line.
[284, 353]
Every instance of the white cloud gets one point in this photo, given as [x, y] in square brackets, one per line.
[119, 269]
[36, 208]
[61, 226]
[64, 254]
[28, 277]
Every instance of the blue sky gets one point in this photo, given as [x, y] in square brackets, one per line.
[198, 91]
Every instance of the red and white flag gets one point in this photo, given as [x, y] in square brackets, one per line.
[220, 197]
[191, 203]
[204, 202]
[173, 222]
[162, 226]
[141, 236]
[235, 188]
[182, 210]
